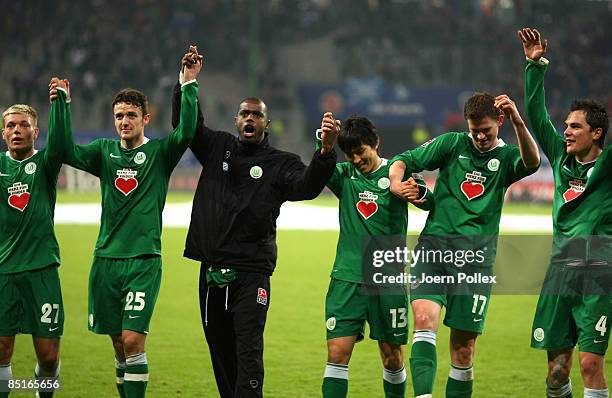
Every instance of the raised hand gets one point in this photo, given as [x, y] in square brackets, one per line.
[53, 86]
[330, 128]
[506, 105]
[191, 63]
[532, 45]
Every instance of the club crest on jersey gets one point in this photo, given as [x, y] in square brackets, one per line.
[576, 189]
[473, 186]
[367, 205]
[262, 296]
[30, 168]
[384, 183]
[256, 172]
[19, 197]
[126, 181]
[140, 158]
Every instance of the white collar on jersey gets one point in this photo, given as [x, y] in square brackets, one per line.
[500, 143]
[589, 162]
[382, 163]
[144, 141]
[8, 155]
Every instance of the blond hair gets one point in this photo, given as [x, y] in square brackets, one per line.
[21, 109]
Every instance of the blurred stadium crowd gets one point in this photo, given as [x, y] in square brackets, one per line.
[263, 48]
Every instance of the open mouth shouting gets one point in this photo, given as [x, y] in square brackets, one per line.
[248, 131]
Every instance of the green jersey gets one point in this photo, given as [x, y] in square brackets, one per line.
[134, 183]
[582, 203]
[27, 238]
[367, 208]
[470, 189]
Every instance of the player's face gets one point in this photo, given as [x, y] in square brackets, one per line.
[365, 158]
[19, 134]
[484, 132]
[579, 137]
[252, 121]
[129, 122]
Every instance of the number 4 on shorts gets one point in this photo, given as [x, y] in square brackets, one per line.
[601, 325]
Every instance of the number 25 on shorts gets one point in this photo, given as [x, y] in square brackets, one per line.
[134, 301]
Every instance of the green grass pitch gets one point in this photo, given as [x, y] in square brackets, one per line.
[295, 351]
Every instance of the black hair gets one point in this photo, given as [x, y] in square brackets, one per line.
[595, 114]
[356, 131]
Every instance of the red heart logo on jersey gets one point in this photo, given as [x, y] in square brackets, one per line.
[367, 209]
[126, 185]
[20, 201]
[571, 194]
[471, 189]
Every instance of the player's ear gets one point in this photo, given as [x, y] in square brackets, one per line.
[146, 119]
[597, 133]
[36, 130]
[500, 119]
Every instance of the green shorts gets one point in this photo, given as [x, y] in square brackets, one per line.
[122, 293]
[348, 306]
[31, 303]
[562, 321]
[466, 303]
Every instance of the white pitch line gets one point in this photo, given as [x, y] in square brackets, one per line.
[293, 216]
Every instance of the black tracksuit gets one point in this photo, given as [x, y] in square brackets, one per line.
[233, 225]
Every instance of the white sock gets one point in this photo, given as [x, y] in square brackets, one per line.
[6, 374]
[461, 374]
[394, 376]
[121, 366]
[559, 392]
[40, 372]
[591, 393]
[336, 371]
[428, 336]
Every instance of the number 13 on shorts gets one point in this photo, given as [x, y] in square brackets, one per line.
[399, 318]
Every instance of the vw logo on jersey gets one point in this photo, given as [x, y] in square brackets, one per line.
[225, 166]
[140, 158]
[384, 183]
[256, 172]
[30, 168]
[330, 324]
[493, 164]
[538, 335]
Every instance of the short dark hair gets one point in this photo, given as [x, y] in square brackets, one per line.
[256, 100]
[595, 114]
[355, 131]
[133, 97]
[479, 106]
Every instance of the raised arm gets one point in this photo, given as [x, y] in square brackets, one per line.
[203, 135]
[304, 183]
[60, 141]
[60, 125]
[330, 128]
[185, 129]
[535, 104]
[527, 145]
